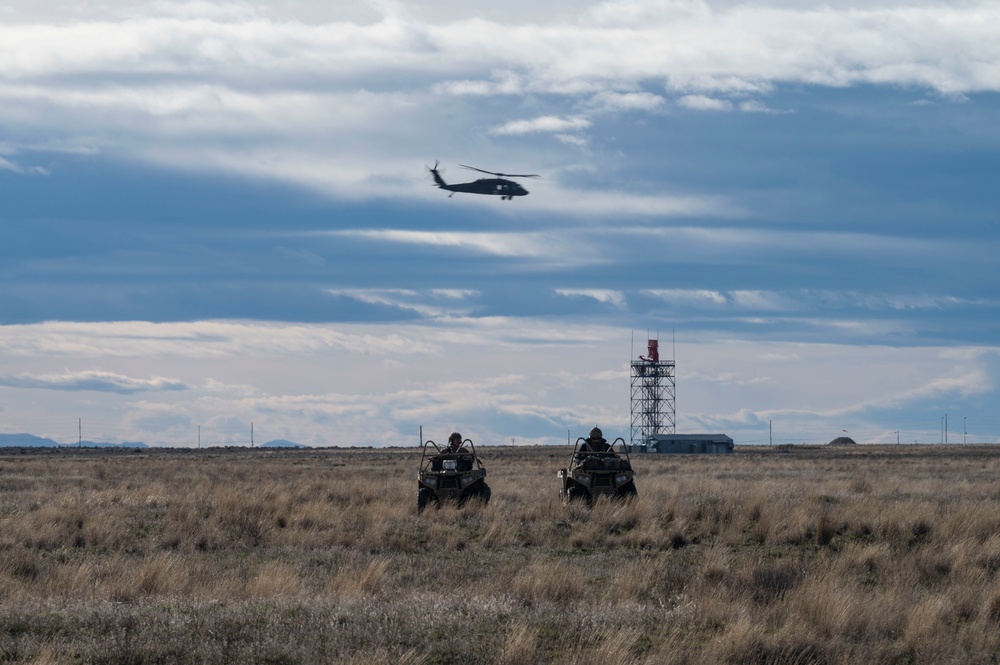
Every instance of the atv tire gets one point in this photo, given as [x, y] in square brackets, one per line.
[627, 492]
[485, 493]
[579, 494]
[478, 492]
[426, 497]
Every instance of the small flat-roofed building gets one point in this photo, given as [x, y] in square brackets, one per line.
[710, 444]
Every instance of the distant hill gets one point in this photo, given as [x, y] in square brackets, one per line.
[32, 441]
[125, 444]
[26, 441]
[843, 441]
[282, 443]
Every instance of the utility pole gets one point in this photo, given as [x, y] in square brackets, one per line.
[965, 431]
[79, 432]
[251, 434]
[897, 437]
[946, 428]
[770, 434]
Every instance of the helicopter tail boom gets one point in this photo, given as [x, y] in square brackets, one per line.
[438, 180]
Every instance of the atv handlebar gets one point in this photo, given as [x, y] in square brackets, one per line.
[425, 457]
[610, 451]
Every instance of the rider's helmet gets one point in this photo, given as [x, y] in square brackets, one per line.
[454, 438]
[596, 433]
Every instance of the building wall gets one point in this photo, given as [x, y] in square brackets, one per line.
[699, 444]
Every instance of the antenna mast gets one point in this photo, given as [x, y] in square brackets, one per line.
[653, 394]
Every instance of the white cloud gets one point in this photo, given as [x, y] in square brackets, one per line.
[847, 387]
[544, 124]
[203, 341]
[432, 303]
[754, 106]
[689, 296]
[596, 203]
[199, 10]
[811, 299]
[893, 301]
[630, 13]
[759, 300]
[719, 83]
[609, 296]
[97, 381]
[8, 165]
[455, 294]
[703, 103]
[610, 101]
[737, 299]
[944, 47]
[524, 245]
[570, 139]
[735, 243]
[501, 82]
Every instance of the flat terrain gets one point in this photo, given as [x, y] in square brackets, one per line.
[854, 554]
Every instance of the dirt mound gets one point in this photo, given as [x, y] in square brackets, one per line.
[843, 441]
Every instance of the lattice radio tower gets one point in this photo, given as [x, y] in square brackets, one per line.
[653, 390]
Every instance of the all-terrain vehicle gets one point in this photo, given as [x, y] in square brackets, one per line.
[593, 474]
[449, 475]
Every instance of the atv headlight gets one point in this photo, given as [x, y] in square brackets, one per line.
[620, 480]
[450, 464]
[431, 481]
[467, 480]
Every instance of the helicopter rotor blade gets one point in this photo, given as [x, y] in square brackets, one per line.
[502, 175]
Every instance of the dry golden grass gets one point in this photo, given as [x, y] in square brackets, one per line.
[808, 555]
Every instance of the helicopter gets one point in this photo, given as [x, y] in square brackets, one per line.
[499, 186]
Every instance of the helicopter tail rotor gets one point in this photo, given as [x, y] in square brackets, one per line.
[438, 180]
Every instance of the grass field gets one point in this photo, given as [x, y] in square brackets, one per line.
[856, 554]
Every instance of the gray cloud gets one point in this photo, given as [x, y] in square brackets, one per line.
[107, 382]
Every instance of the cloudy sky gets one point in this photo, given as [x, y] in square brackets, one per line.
[218, 213]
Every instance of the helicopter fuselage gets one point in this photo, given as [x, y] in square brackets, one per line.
[492, 186]
[505, 189]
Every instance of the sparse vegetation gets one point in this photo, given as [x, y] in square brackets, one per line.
[849, 554]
